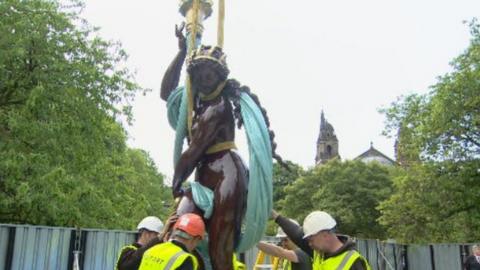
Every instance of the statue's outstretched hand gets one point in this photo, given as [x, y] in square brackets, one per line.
[182, 41]
[177, 189]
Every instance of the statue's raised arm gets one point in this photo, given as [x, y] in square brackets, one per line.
[172, 75]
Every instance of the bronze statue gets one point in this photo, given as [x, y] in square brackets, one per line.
[211, 146]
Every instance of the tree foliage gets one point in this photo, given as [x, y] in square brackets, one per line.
[282, 178]
[63, 154]
[436, 196]
[445, 123]
[434, 202]
[349, 190]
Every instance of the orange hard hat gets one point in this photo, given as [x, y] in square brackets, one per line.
[192, 224]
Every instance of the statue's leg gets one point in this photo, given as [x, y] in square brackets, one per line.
[187, 205]
[225, 223]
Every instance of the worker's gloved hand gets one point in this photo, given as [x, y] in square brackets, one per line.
[171, 221]
[168, 228]
[274, 214]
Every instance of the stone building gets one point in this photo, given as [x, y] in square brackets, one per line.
[327, 147]
[327, 143]
[373, 154]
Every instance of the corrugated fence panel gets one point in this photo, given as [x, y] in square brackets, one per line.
[419, 257]
[394, 256]
[447, 257]
[102, 248]
[39, 247]
[373, 254]
[362, 247]
[3, 246]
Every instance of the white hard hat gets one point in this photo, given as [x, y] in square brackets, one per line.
[317, 221]
[151, 223]
[281, 233]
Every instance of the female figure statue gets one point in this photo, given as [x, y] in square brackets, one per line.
[211, 148]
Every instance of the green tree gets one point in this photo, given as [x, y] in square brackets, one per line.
[63, 154]
[349, 190]
[434, 202]
[445, 123]
[436, 196]
[283, 177]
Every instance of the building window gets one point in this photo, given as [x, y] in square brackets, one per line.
[329, 150]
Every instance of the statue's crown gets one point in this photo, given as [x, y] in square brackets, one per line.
[209, 55]
[212, 53]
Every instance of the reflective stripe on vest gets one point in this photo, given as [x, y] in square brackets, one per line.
[343, 261]
[282, 264]
[287, 265]
[165, 256]
[121, 251]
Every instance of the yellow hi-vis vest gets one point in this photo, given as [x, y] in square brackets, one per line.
[238, 265]
[343, 261]
[282, 264]
[165, 256]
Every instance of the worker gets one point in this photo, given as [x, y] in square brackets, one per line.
[131, 255]
[327, 249]
[288, 256]
[175, 254]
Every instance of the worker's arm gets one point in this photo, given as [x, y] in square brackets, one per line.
[276, 251]
[294, 232]
[208, 125]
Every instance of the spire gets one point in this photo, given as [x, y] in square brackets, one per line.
[322, 120]
[327, 142]
[326, 130]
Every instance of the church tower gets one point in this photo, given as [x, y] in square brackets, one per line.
[327, 143]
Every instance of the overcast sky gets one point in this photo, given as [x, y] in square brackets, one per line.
[348, 57]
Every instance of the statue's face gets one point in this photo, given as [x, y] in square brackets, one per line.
[205, 79]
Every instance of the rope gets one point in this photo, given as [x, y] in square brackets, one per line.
[221, 23]
[191, 47]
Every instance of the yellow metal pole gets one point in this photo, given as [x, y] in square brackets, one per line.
[195, 12]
